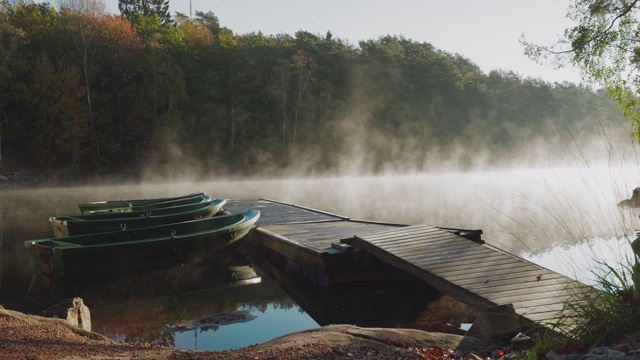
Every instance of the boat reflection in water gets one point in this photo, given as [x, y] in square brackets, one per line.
[229, 304]
[227, 269]
[142, 308]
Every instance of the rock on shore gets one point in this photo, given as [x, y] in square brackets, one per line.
[26, 336]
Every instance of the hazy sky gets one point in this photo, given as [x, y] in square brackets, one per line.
[484, 31]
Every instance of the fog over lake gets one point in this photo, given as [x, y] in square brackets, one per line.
[529, 207]
[565, 219]
[528, 210]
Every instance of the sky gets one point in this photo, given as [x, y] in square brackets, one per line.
[487, 32]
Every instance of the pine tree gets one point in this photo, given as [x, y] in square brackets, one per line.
[131, 9]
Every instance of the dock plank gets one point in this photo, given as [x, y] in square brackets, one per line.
[467, 264]
[492, 283]
[422, 255]
[477, 274]
[472, 279]
[429, 245]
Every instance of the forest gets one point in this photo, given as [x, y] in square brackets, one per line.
[85, 93]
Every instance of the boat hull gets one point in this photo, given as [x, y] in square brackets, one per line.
[64, 226]
[139, 249]
[87, 208]
[187, 200]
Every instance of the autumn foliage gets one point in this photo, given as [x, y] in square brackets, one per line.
[86, 93]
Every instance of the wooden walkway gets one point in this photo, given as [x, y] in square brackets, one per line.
[312, 229]
[465, 268]
[478, 274]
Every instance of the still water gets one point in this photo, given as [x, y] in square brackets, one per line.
[142, 307]
[552, 216]
[269, 323]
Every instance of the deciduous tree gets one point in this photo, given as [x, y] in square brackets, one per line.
[93, 8]
[10, 39]
[211, 21]
[83, 26]
[604, 44]
[60, 134]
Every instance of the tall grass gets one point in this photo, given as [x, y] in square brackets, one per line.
[609, 312]
[597, 249]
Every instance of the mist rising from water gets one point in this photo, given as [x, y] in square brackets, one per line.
[545, 193]
[537, 212]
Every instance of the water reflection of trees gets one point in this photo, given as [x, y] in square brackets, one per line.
[144, 320]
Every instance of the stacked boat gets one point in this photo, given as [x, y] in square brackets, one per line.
[117, 236]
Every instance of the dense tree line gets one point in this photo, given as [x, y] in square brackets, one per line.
[83, 92]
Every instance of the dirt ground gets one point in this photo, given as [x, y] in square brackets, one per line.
[33, 337]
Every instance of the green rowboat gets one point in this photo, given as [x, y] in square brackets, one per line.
[195, 199]
[87, 208]
[105, 221]
[139, 249]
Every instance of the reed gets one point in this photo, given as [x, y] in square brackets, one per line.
[605, 316]
[609, 309]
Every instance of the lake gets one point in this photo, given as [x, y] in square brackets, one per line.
[561, 218]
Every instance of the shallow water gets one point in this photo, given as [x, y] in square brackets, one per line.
[138, 308]
[554, 217]
[270, 323]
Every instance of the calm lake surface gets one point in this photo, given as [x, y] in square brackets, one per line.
[560, 218]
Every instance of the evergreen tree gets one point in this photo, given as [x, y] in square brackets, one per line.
[131, 9]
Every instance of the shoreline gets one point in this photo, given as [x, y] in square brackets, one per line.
[30, 336]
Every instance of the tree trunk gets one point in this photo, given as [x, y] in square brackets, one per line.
[301, 89]
[4, 121]
[84, 52]
[284, 120]
[155, 92]
[233, 126]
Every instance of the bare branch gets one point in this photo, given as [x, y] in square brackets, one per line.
[95, 8]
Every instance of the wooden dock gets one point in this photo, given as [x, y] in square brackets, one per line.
[478, 274]
[326, 248]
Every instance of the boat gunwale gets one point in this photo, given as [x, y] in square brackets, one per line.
[141, 214]
[151, 200]
[233, 227]
[141, 207]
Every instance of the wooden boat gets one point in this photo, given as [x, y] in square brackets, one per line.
[139, 249]
[107, 221]
[87, 208]
[195, 199]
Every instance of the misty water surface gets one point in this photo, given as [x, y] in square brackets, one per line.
[518, 210]
[565, 219]
[521, 211]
